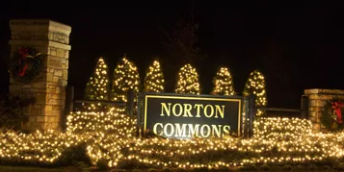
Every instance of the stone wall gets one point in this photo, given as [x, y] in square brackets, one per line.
[51, 39]
[317, 100]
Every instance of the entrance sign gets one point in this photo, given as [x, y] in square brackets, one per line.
[183, 117]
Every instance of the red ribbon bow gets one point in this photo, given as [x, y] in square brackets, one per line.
[24, 52]
[337, 106]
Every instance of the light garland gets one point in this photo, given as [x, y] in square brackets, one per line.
[113, 121]
[256, 85]
[223, 83]
[188, 82]
[97, 88]
[126, 77]
[110, 138]
[37, 148]
[154, 81]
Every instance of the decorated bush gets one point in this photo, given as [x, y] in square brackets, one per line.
[154, 81]
[125, 77]
[255, 85]
[97, 88]
[188, 81]
[110, 122]
[223, 83]
[109, 142]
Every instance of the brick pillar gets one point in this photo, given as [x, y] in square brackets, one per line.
[317, 100]
[52, 40]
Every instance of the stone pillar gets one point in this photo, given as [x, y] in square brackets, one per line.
[317, 100]
[52, 40]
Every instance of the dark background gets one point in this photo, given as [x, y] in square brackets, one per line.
[296, 45]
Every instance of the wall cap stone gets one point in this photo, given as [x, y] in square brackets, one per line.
[42, 24]
[40, 43]
[323, 91]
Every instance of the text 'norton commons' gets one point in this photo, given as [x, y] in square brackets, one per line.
[175, 116]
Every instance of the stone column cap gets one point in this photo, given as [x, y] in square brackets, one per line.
[323, 91]
[49, 25]
[40, 43]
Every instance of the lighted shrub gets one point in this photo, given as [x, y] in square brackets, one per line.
[277, 142]
[125, 77]
[187, 81]
[97, 87]
[154, 81]
[223, 83]
[255, 85]
[282, 128]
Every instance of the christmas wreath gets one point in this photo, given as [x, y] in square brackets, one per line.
[27, 65]
[332, 118]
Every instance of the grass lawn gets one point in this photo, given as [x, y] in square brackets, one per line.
[282, 168]
[36, 169]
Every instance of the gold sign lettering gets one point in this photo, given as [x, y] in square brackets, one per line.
[186, 117]
[209, 111]
[191, 130]
[198, 106]
[166, 109]
[187, 110]
[168, 130]
[205, 132]
[180, 130]
[217, 130]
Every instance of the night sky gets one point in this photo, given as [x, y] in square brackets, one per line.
[297, 46]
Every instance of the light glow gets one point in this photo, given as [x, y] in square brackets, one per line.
[110, 137]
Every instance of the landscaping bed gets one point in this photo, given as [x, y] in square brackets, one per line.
[107, 141]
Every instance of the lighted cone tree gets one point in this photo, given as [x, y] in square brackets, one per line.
[97, 88]
[154, 81]
[126, 77]
[188, 82]
[256, 85]
[223, 83]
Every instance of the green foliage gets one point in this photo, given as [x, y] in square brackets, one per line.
[255, 85]
[287, 167]
[75, 155]
[34, 62]
[187, 81]
[223, 83]
[154, 81]
[137, 170]
[152, 170]
[125, 77]
[328, 118]
[97, 87]
[12, 111]
[102, 164]
[339, 166]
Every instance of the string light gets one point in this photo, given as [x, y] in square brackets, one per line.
[126, 77]
[98, 85]
[256, 85]
[223, 84]
[188, 82]
[154, 81]
[110, 138]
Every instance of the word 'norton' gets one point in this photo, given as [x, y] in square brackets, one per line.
[185, 110]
